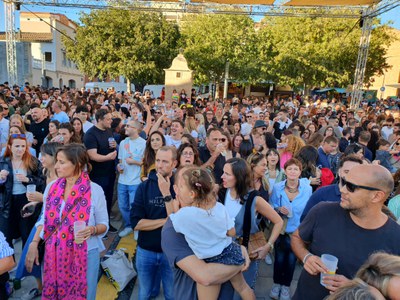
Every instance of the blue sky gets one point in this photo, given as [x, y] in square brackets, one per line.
[74, 14]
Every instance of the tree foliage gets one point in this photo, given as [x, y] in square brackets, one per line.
[137, 45]
[209, 41]
[320, 51]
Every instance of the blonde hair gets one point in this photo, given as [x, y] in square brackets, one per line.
[379, 269]
[294, 144]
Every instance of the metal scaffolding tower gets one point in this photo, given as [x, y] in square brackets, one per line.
[11, 50]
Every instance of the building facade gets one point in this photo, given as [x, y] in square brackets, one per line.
[46, 56]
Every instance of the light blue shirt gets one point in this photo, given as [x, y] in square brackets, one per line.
[5, 249]
[98, 214]
[135, 150]
[61, 117]
[279, 198]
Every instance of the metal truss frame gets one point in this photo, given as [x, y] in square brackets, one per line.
[11, 50]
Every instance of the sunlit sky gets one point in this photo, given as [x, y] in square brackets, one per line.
[392, 16]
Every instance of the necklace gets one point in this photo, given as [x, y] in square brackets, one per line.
[291, 189]
[14, 164]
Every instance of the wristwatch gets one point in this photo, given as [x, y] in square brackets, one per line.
[167, 198]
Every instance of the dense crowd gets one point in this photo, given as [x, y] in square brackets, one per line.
[208, 187]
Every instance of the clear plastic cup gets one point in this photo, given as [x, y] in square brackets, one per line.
[111, 141]
[78, 226]
[31, 188]
[330, 263]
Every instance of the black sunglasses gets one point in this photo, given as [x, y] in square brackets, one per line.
[351, 187]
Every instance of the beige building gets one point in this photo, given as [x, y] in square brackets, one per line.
[49, 65]
[391, 77]
[178, 77]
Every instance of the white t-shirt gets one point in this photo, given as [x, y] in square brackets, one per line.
[86, 126]
[205, 231]
[233, 206]
[169, 141]
[134, 149]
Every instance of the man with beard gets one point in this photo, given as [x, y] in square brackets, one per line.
[148, 216]
[101, 147]
[350, 230]
[39, 126]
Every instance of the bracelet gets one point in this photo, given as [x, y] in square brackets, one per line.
[271, 246]
[94, 230]
[36, 241]
[306, 257]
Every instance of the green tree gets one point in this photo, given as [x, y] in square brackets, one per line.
[136, 45]
[320, 51]
[212, 40]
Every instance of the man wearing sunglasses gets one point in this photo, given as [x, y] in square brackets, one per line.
[350, 230]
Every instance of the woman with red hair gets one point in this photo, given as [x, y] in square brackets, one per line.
[18, 169]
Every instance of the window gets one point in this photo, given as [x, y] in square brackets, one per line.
[64, 61]
[47, 56]
[178, 74]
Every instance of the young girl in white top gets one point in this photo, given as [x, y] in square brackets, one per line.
[208, 229]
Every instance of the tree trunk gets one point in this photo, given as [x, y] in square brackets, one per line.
[128, 85]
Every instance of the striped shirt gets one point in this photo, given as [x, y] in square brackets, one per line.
[5, 249]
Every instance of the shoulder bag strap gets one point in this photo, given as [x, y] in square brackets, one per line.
[247, 217]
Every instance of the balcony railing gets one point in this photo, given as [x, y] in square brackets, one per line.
[37, 64]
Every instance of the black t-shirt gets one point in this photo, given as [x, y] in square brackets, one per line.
[219, 163]
[96, 138]
[330, 230]
[39, 131]
[176, 248]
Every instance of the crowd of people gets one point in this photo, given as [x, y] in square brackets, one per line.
[196, 180]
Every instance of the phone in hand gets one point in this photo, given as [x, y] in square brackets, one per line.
[28, 211]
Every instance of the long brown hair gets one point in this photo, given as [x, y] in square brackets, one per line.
[149, 157]
[28, 160]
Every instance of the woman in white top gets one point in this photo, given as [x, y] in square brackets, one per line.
[71, 260]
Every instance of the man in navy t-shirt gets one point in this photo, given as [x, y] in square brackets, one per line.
[350, 230]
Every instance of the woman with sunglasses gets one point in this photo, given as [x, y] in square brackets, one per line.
[343, 120]
[289, 198]
[18, 169]
[154, 142]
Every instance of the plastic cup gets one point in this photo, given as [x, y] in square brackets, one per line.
[31, 188]
[290, 212]
[78, 226]
[111, 140]
[330, 263]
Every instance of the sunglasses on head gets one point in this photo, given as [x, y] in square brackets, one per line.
[5, 108]
[351, 187]
[15, 136]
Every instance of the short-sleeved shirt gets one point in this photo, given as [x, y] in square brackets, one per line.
[5, 249]
[39, 131]
[96, 138]
[176, 249]
[329, 229]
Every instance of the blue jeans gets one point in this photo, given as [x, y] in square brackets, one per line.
[92, 273]
[150, 265]
[126, 195]
[285, 261]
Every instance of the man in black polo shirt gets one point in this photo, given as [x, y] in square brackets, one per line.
[210, 154]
